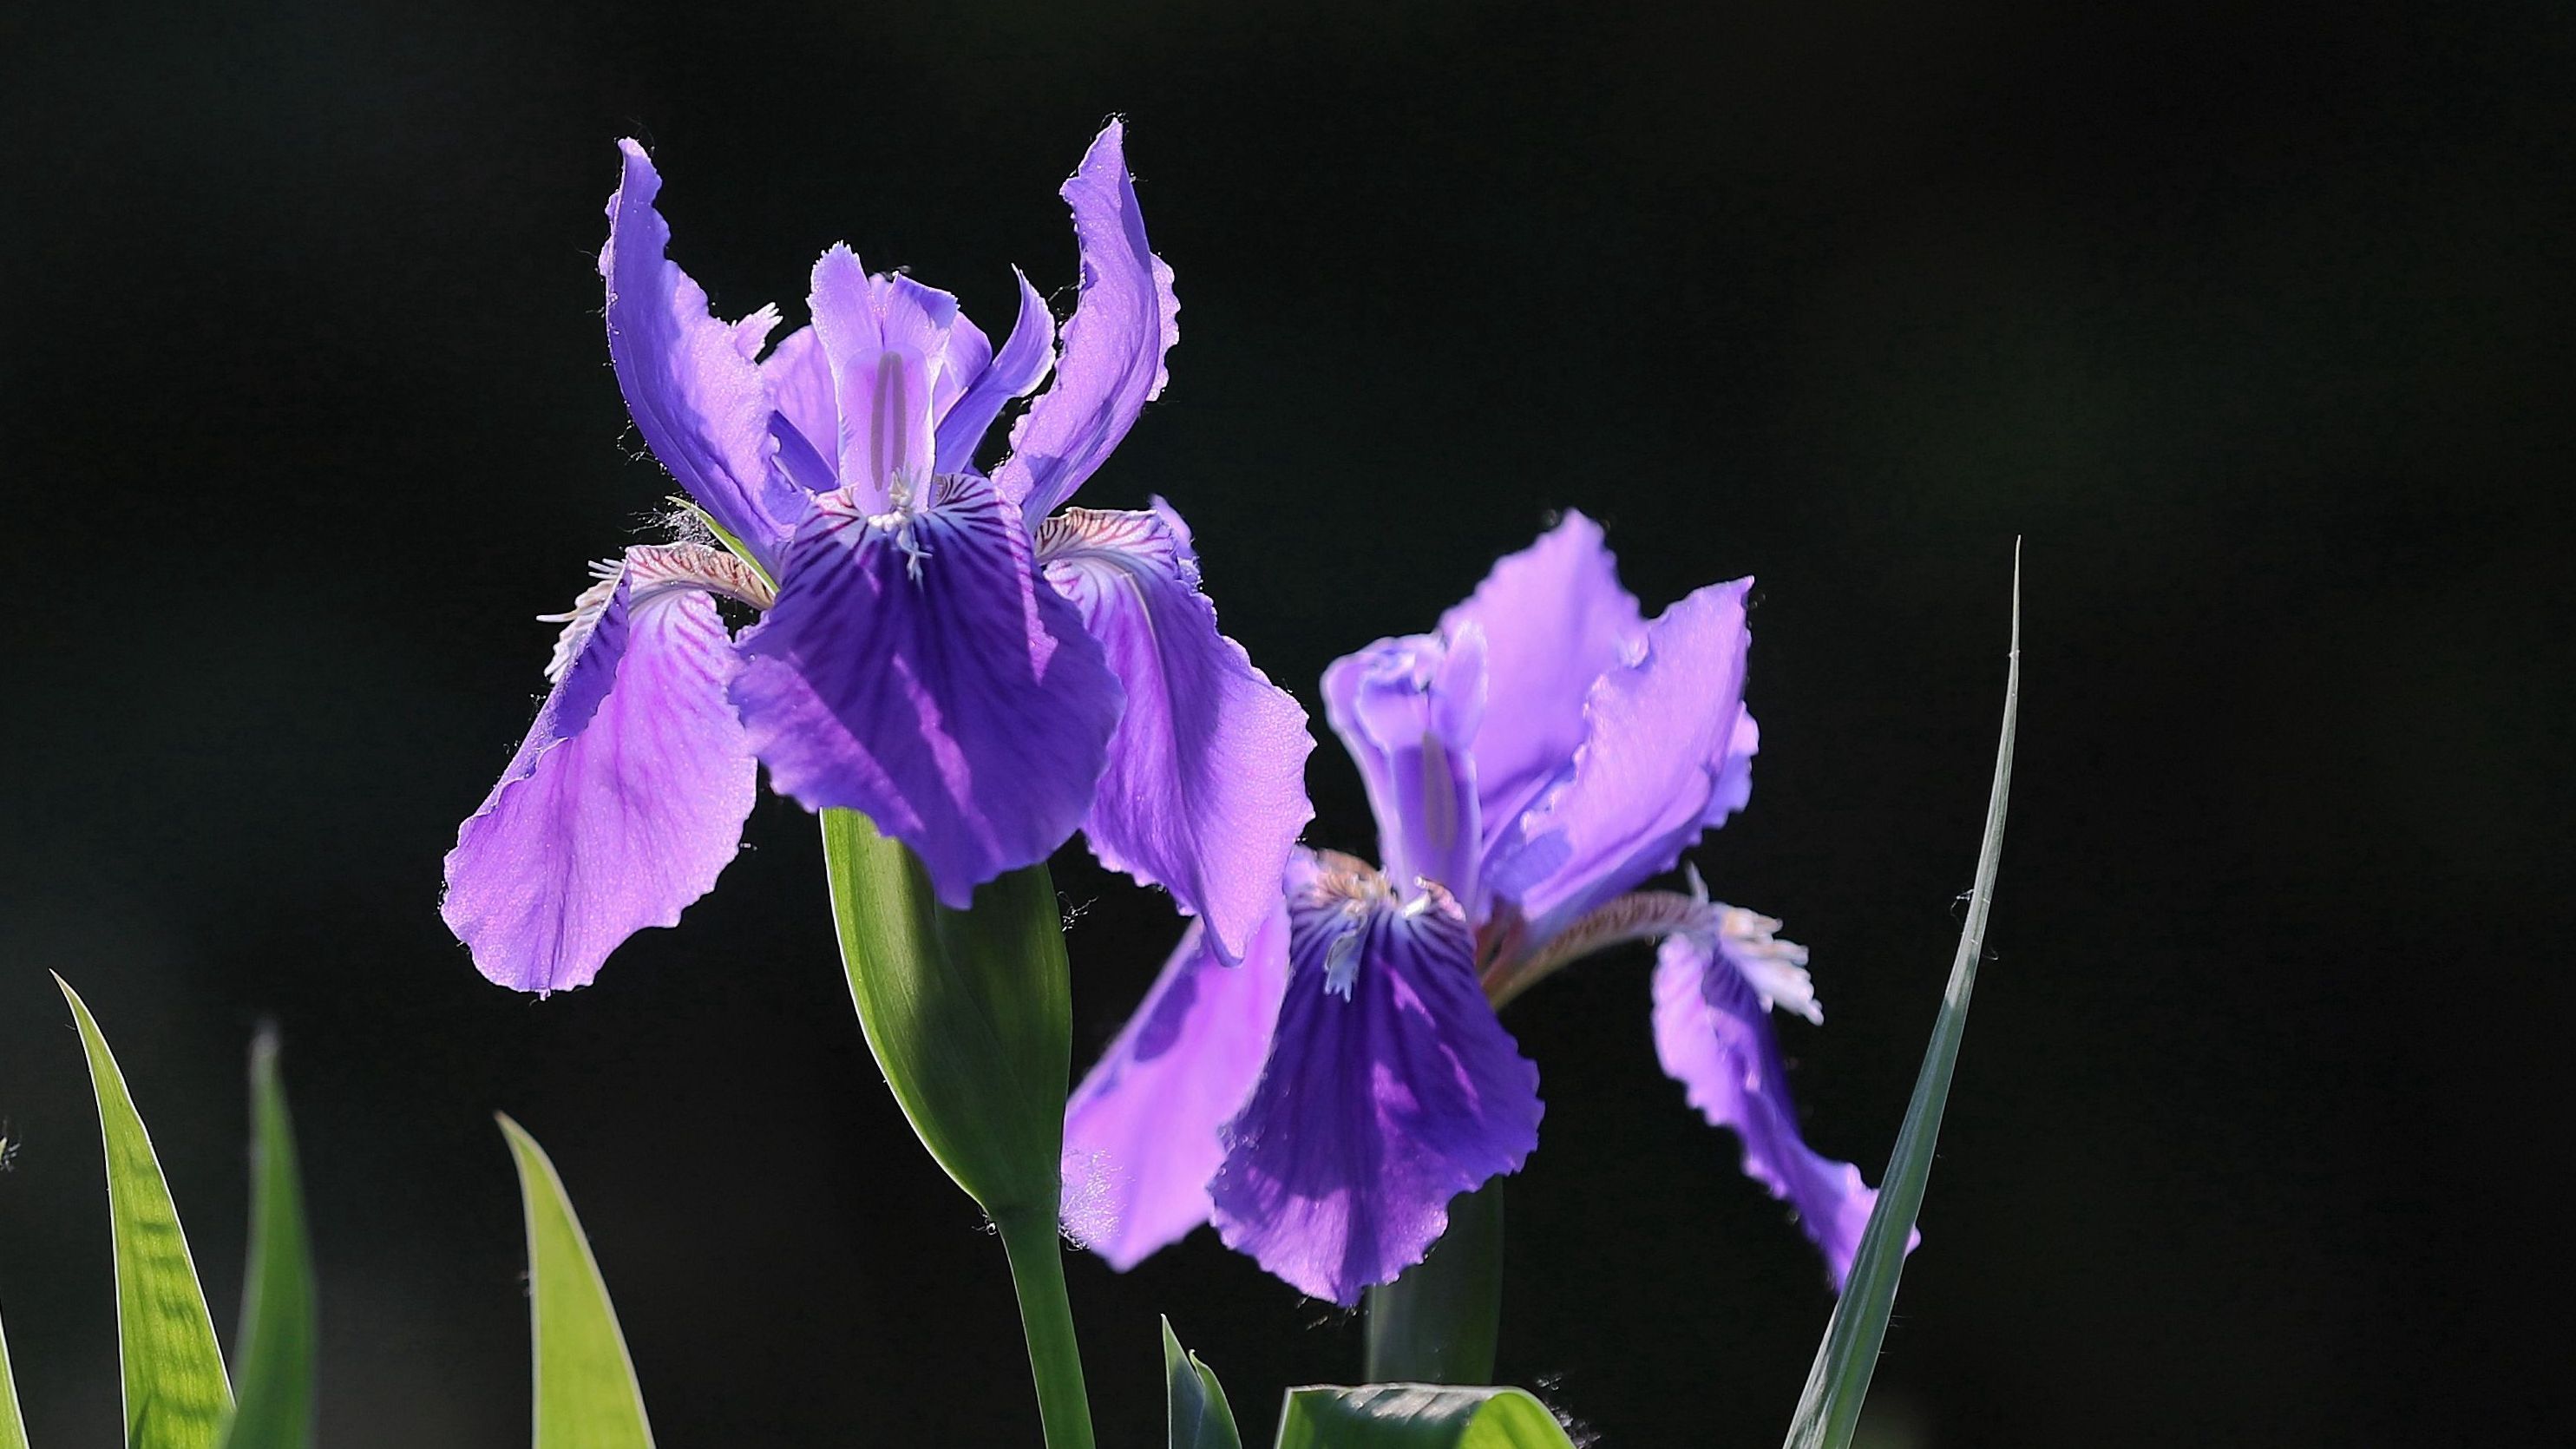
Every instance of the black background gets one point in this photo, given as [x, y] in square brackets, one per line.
[2251, 318]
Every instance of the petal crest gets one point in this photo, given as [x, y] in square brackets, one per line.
[1112, 361]
[625, 801]
[916, 670]
[1409, 711]
[1390, 1089]
[694, 394]
[1205, 791]
[1141, 1134]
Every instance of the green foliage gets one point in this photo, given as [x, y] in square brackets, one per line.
[585, 1384]
[1417, 1416]
[1829, 1408]
[176, 1396]
[970, 1013]
[1438, 1323]
[1200, 1416]
[275, 1364]
[13, 1428]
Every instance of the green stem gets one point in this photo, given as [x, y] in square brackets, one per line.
[1439, 1322]
[1055, 1360]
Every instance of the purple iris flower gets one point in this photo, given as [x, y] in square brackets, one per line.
[940, 649]
[1530, 764]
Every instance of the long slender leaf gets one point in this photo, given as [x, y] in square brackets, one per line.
[1200, 1416]
[1829, 1408]
[176, 1395]
[1417, 1416]
[586, 1397]
[13, 1428]
[279, 1314]
[1439, 1323]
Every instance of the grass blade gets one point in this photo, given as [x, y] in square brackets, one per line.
[279, 1313]
[1829, 1408]
[1417, 1416]
[13, 1428]
[1200, 1417]
[586, 1397]
[176, 1395]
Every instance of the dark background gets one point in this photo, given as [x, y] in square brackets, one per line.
[2251, 318]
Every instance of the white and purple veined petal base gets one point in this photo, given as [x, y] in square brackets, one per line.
[1390, 1089]
[1666, 755]
[1713, 1035]
[688, 378]
[916, 669]
[1112, 359]
[626, 800]
[1141, 1134]
[1205, 791]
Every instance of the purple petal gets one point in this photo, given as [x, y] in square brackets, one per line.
[1554, 620]
[623, 804]
[1205, 791]
[695, 396]
[1666, 755]
[1390, 1089]
[886, 340]
[1113, 347]
[1409, 711]
[914, 669]
[1019, 366]
[1141, 1133]
[807, 423]
[1713, 1033]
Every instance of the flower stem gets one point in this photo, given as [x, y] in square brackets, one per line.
[1055, 1360]
[1439, 1322]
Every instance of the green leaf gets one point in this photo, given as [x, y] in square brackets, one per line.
[1438, 1323]
[279, 1313]
[1417, 1416]
[176, 1396]
[13, 1429]
[1200, 1417]
[585, 1384]
[1829, 1408]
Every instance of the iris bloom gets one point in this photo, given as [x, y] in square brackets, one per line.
[941, 649]
[1530, 764]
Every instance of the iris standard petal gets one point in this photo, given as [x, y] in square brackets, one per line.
[694, 395]
[915, 669]
[623, 804]
[1554, 619]
[1713, 1034]
[1019, 367]
[1390, 1089]
[1664, 757]
[1205, 791]
[807, 421]
[886, 344]
[1112, 364]
[1409, 711]
[1141, 1133]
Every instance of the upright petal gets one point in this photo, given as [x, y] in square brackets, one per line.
[1665, 756]
[1713, 1034]
[1554, 620]
[625, 801]
[696, 398]
[1390, 1089]
[1141, 1133]
[914, 669]
[1020, 366]
[807, 423]
[1205, 791]
[886, 340]
[1112, 365]
[1409, 711]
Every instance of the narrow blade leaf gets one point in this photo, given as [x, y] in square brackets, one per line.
[1439, 1323]
[1829, 1409]
[1417, 1416]
[1200, 1418]
[586, 1396]
[279, 1312]
[13, 1429]
[176, 1395]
